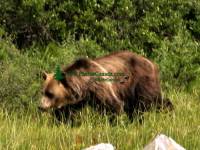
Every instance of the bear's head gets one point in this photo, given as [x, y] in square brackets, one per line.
[55, 94]
[61, 89]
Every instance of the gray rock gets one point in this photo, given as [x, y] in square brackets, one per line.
[102, 146]
[162, 142]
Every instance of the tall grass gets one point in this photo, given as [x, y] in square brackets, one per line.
[28, 130]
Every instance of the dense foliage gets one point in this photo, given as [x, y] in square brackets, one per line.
[37, 35]
[140, 24]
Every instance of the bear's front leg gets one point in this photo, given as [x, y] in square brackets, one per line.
[118, 106]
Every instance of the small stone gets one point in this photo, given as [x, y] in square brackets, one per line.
[162, 142]
[102, 146]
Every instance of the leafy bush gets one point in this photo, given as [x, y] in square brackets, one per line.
[112, 24]
[165, 31]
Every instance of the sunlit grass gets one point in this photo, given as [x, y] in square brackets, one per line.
[41, 131]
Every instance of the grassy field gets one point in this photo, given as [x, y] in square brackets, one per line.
[28, 130]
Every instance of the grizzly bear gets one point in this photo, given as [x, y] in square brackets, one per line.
[122, 81]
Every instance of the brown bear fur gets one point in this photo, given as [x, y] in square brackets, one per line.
[137, 89]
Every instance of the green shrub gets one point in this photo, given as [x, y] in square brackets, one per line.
[111, 24]
[57, 31]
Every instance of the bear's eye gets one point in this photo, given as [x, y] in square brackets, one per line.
[49, 95]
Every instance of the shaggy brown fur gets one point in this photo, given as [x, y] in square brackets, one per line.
[137, 89]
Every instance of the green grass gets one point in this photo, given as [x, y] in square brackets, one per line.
[40, 131]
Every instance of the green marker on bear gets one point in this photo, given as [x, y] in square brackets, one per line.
[58, 74]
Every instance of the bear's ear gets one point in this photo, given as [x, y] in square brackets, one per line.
[82, 62]
[44, 75]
